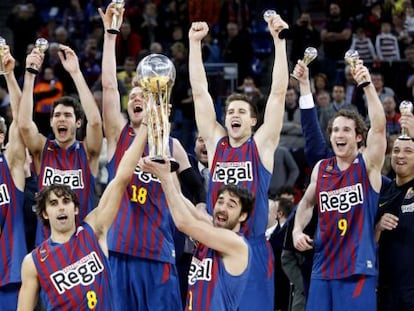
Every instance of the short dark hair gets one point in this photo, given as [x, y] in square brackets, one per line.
[285, 206]
[60, 191]
[245, 196]
[239, 96]
[69, 101]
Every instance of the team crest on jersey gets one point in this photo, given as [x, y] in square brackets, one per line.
[4, 195]
[72, 178]
[144, 176]
[232, 172]
[200, 270]
[341, 200]
[82, 272]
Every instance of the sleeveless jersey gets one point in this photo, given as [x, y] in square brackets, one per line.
[12, 239]
[74, 275]
[210, 286]
[143, 226]
[347, 206]
[69, 167]
[241, 166]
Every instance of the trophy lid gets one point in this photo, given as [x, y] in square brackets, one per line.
[156, 66]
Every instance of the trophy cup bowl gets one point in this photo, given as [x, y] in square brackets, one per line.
[156, 76]
[406, 107]
[352, 58]
[119, 5]
[2, 49]
[42, 44]
[308, 56]
[268, 14]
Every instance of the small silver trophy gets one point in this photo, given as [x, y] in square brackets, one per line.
[42, 44]
[406, 107]
[352, 58]
[268, 14]
[308, 56]
[119, 5]
[2, 50]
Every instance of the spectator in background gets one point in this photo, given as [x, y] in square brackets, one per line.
[372, 21]
[24, 21]
[320, 83]
[303, 34]
[182, 99]
[364, 46]
[90, 61]
[285, 170]
[392, 116]
[255, 95]
[237, 48]
[404, 80]
[128, 43]
[386, 44]
[47, 90]
[279, 211]
[336, 38]
[149, 30]
[74, 21]
[127, 76]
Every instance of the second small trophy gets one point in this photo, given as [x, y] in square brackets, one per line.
[42, 44]
[119, 5]
[310, 54]
[352, 58]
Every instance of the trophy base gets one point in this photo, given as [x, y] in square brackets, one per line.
[32, 70]
[173, 162]
[292, 76]
[404, 137]
[364, 84]
[113, 31]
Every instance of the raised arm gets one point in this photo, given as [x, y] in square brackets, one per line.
[205, 115]
[111, 103]
[93, 139]
[15, 152]
[267, 136]
[374, 153]
[231, 246]
[316, 147]
[303, 216]
[32, 138]
[29, 291]
[102, 216]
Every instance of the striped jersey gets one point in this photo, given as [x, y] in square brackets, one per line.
[347, 206]
[70, 167]
[210, 286]
[12, 238]
[74, 275]
[143, 226]
[242, 166]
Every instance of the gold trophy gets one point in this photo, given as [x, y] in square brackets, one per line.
[42, 44]
[352, 58]
[119, 5]
[268, 14]
[308, 56]
[2, 52]
[406, 107]
[156, 76]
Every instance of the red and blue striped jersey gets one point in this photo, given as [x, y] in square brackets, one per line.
[143, 226]
[241, 165]
[12, 238]
[347, 206]
[210, 286]
[70, 167]
[74, 275]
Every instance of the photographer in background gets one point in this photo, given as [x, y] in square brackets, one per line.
[303, 35]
